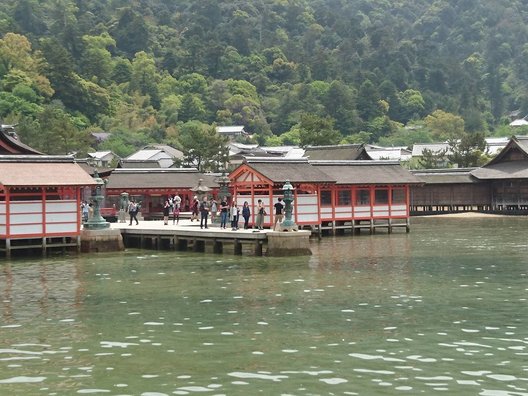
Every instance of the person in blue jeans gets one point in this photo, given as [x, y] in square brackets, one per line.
[224, 212]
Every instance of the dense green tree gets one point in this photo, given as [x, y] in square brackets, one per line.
[131, 33]
[97, 59]
[444, 125]
[368, 101]
[19, 62]
[203, 147]
[191, 108]
[412, 105]
[263, 63]
[145, 77]
[28, 16]
[62, 135]
[317, 131]
[468, 150]
[433, 159]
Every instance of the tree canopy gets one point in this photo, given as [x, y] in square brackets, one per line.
[364, 71]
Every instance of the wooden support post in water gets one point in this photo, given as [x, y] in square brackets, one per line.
[199, 246]
[182, 244]
[238, 247]
[8, 248]
[390, 226]
[258, 248]
[218, 246]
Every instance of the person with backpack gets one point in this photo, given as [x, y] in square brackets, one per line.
[204, 212]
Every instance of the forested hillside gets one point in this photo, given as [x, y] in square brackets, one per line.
[290, 71]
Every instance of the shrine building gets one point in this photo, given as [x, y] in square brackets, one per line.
[329, 195]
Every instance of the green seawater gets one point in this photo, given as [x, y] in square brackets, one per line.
[442, 310]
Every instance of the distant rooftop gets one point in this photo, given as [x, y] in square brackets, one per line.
[231, 130]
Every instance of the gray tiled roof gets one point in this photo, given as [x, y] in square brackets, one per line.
[337, 152]
[445, 176]
[158, 178]
[293, 171]
[340, 172]
[503, 170]
[367, 172]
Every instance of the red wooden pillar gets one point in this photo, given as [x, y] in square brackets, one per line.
[372, 198]
[295, 211]
[79, 214]
[390, 201]
[270, 195]
[8, 212]
[407, 199]
[353, 197]
[252, 188]
[351, 190]
[333, 194]
[318, 191]
[43, 210]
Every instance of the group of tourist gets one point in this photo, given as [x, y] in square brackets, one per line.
[172, 206]
[210, 208]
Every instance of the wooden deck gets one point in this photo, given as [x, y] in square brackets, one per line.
[187, 235]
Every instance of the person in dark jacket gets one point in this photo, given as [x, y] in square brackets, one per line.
[166, 212]
[246, 213]
[204, 212]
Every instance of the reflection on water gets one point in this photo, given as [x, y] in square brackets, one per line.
[439, 310]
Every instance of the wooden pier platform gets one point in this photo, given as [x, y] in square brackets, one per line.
[188, 236]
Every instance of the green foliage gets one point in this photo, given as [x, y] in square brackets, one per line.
[433, 159]
[362, 66]
[62, 135]
[468, 150]
[203, 147]
[444, 126]
[317, 131]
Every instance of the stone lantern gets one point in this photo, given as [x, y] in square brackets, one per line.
[223, 190]
[200, 190]
[97, 222]
[288, 224]
[123, 207]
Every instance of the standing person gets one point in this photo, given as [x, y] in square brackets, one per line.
[214, 209]
[132, 211]
[246, 212]
[176, 214]
[261, 212]
[166, 212]
[195, 209]
[235, 213]
[279, 207]
[176, 201]
[85, 211]
[223, 212]
[204, 212]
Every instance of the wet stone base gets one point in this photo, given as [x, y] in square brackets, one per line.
[295, 243]
[106, 240]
